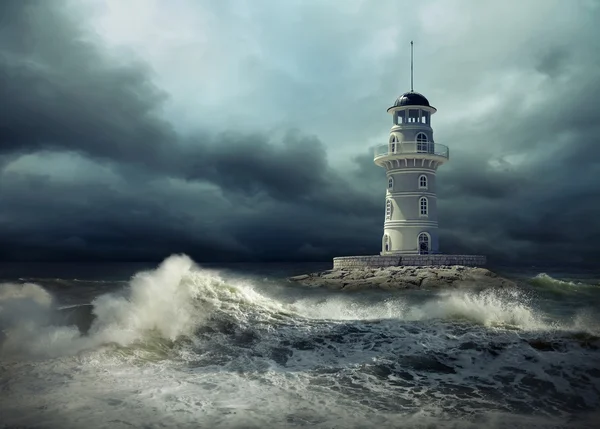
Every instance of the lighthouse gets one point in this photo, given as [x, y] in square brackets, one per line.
[411, 158]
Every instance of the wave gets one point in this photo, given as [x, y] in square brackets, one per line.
[178, 298]
[509, 308]
[543, 279]
[170, 301]
[181, 334]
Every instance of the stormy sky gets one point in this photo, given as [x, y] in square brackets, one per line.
[237, 130]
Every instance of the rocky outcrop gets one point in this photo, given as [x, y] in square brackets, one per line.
[394, 278]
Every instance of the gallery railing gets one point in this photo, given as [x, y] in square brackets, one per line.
[412, 148]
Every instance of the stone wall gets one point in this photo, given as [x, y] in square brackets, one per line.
[366, 261]
[412, 260]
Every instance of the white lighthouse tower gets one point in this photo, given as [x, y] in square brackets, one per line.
[411, 158]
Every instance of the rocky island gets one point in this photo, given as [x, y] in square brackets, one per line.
[403, 277]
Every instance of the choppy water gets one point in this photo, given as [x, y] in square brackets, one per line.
[183, 346]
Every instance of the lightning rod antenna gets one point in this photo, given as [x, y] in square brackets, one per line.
[411, 66]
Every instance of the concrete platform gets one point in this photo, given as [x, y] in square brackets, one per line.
[378, 261]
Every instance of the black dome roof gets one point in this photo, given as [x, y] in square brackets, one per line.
[411, 99]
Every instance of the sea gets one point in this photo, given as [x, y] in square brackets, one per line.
[182, 344]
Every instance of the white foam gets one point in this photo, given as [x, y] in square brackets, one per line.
[546, 279]
[108, 387]
[178, 296]
[159, 300]
[171, 301]
[339, 307]
[26, 302]
[489, 308]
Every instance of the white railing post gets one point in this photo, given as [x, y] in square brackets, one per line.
[410, 147]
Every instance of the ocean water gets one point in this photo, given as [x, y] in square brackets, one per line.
[196, 346]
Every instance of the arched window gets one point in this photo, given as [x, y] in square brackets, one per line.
[424, 243]
[390, 183]
[388, 209]
[393, 142]
[422, 181]
[423, 206]
[387, 244]
[422, 142]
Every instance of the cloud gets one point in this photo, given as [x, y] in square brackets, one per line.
[250, 141]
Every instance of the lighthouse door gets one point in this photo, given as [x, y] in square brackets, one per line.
[423, 244]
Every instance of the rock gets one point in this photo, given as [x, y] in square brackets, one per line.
[333, 275]
[403, 277]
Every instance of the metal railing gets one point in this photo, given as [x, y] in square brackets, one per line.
[412, 148]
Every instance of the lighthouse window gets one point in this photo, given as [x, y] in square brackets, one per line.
[423, 205]
[413, 116]
[421, 142]
[388, 209]
[390, 183]
[400, 118]
[423, 182]
[424, 117]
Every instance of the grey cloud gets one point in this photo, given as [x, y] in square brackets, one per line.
[109, 113]
[521, 185]
[60, 92]
[554, 61]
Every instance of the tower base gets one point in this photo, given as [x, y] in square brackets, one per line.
[377, 261]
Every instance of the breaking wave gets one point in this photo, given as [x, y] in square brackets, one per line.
[170, 302]
[488, 308]
[209, 350]
[546, 280]
[178, 297]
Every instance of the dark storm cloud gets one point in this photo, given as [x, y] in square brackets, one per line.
[523, 186]
[129, 222]
[544, 207]
[62, 93]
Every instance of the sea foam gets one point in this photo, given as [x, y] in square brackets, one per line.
[170, 301]
[178, 296]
